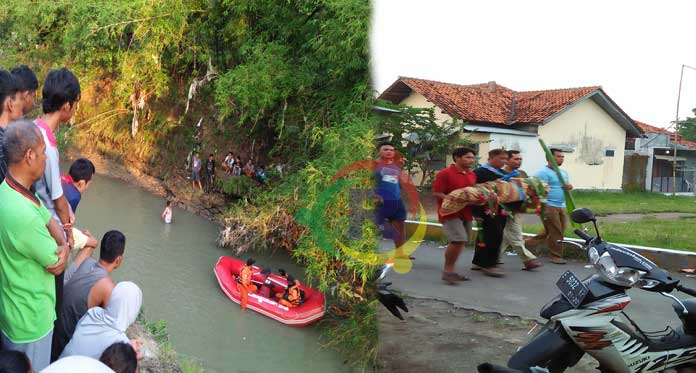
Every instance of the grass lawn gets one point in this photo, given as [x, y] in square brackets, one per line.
[605, 203]
[676, 234]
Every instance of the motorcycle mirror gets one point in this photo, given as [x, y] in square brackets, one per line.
[582, 215]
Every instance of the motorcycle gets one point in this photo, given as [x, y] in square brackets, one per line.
[588, 317]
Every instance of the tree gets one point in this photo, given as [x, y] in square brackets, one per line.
[421, 138]
[687, 127]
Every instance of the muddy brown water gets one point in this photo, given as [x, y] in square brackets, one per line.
[173, 265]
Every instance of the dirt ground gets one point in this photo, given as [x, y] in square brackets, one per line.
[438, 337]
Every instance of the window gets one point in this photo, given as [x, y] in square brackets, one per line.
[608, 152]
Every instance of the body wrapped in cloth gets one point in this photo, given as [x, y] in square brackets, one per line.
[493, 193]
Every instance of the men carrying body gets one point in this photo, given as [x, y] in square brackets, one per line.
[555, 214]
[29, 256]
[457, 227]
[87, 285]
[512, 234]
[490, 237]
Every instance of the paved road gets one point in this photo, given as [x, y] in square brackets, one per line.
[520, 293]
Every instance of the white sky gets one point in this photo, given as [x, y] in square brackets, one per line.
[633, 49]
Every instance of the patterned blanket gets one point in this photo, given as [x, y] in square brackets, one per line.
[497, 192]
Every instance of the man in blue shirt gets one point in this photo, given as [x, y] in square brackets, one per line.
[556, 217]
[390, 207]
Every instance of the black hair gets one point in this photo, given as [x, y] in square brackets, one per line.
[120, 357]
[250, 261]
[211, 154]
[555, 150]
[496, 152]
[82, 169]
[462, 151]
[512, 152]
[20, 136]
[8, 88]
[26, 78]
[384, 143]
[14, 362]
[169, 203]
[291, 280]
[60, 86]
[112, 246]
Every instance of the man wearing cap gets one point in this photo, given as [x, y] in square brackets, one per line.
[245, 285]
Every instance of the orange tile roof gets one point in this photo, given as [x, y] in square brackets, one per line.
[679, 139]
[490, 102]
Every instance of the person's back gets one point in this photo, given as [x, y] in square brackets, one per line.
[101, 327]
[89, 283]
[75, 299]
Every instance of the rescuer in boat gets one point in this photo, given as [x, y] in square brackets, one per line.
[292, 297]
[244, 284]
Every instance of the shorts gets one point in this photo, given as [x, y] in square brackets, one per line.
[196, 175]
[390, 210]
[457, 230]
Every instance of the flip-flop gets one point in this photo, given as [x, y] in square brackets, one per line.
[690, 271]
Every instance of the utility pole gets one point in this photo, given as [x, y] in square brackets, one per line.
[676, 134]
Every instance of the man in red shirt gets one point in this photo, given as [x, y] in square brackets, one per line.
[457, 227]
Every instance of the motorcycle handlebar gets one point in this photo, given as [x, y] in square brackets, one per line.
[582, 235]
[686, 290]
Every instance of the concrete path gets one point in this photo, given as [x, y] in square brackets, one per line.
[520, 293]
[529, 219]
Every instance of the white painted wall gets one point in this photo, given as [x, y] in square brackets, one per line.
[590, 130]
[533, 158]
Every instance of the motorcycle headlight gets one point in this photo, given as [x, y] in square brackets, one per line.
[606, 267]
[593, 255]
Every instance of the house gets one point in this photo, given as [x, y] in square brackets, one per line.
[650, 159]
[585, 121]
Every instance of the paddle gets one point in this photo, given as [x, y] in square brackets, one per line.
[570, 202]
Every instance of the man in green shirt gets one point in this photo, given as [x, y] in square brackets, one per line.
[29, 255]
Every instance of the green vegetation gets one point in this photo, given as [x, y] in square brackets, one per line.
[282, 81]
[167, 359]
[605, 203]
[687, 127]
[676, 234]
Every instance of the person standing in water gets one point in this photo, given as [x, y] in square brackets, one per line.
[167, 213]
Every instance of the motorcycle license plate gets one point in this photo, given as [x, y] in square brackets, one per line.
[572, 289]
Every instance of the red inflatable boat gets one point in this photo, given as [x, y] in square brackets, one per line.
[308, 312]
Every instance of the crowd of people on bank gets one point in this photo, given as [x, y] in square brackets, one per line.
[56, 314]
[232, 166]
[498, 230]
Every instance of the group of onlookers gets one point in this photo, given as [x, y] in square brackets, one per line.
[52, 311]
[232, 166]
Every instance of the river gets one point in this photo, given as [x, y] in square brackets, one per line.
[173, 265]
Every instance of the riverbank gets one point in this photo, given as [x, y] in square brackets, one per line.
[175, 186]
[158, 354]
